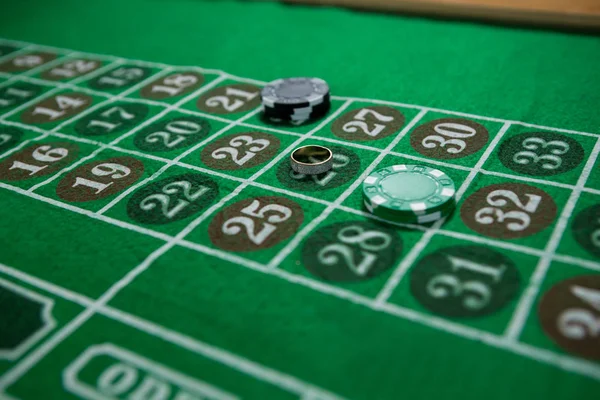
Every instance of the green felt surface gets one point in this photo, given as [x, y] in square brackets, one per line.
[542, 77]
[215, 314]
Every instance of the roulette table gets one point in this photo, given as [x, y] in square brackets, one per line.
[155, 243]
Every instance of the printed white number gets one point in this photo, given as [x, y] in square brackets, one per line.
[64, 103]
[72, 68]
[578, 323]
[181, 130]
[121, 76]
[225, 101]
[175, 84]
[339, 162]
[493, 272]
[115, 171]
[44, 154]
[445, 285]
[11, 93]
[257, 145]
[278, 214]
[123, 115]
[477, 293]
[353, 126]
[550, 161]
[24, 94]
[456, 132]
[173, 188]
[369, 243]
[498, 199]
[28, 61]
[48, 154]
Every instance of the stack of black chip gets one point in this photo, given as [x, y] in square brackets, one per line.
[296, 100]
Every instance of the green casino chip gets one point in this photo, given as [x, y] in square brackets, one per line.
[422, 219]
[409, 193]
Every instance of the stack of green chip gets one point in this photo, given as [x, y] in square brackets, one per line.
[410, 194]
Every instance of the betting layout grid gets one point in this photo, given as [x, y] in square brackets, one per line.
[476, 151]
[271, 384]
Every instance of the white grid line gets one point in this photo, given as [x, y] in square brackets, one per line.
[82, 211]
[421, 159]
[49, 287]
[113, 142]
[412, 255]
[341, 143]
[23, 144]
[259, 372]
[524, 306]
[262, 373]
[175, 162]
[257, 174]
[571, 363]
[457, 235]
[57, 89]
[22, 76]
[98, 93]
[132, 61]
[394, 153]
[342, 98]
[11, 77]
[478, 239]
[125, 135]
[29, 103]
[34, 357]
[527, 179]
[594, 266]
[466, 115]
[170, 163]
[24, 50]
[315, 222]
[576, 361]
[38, 99]
[566, 363]
[355, 145]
